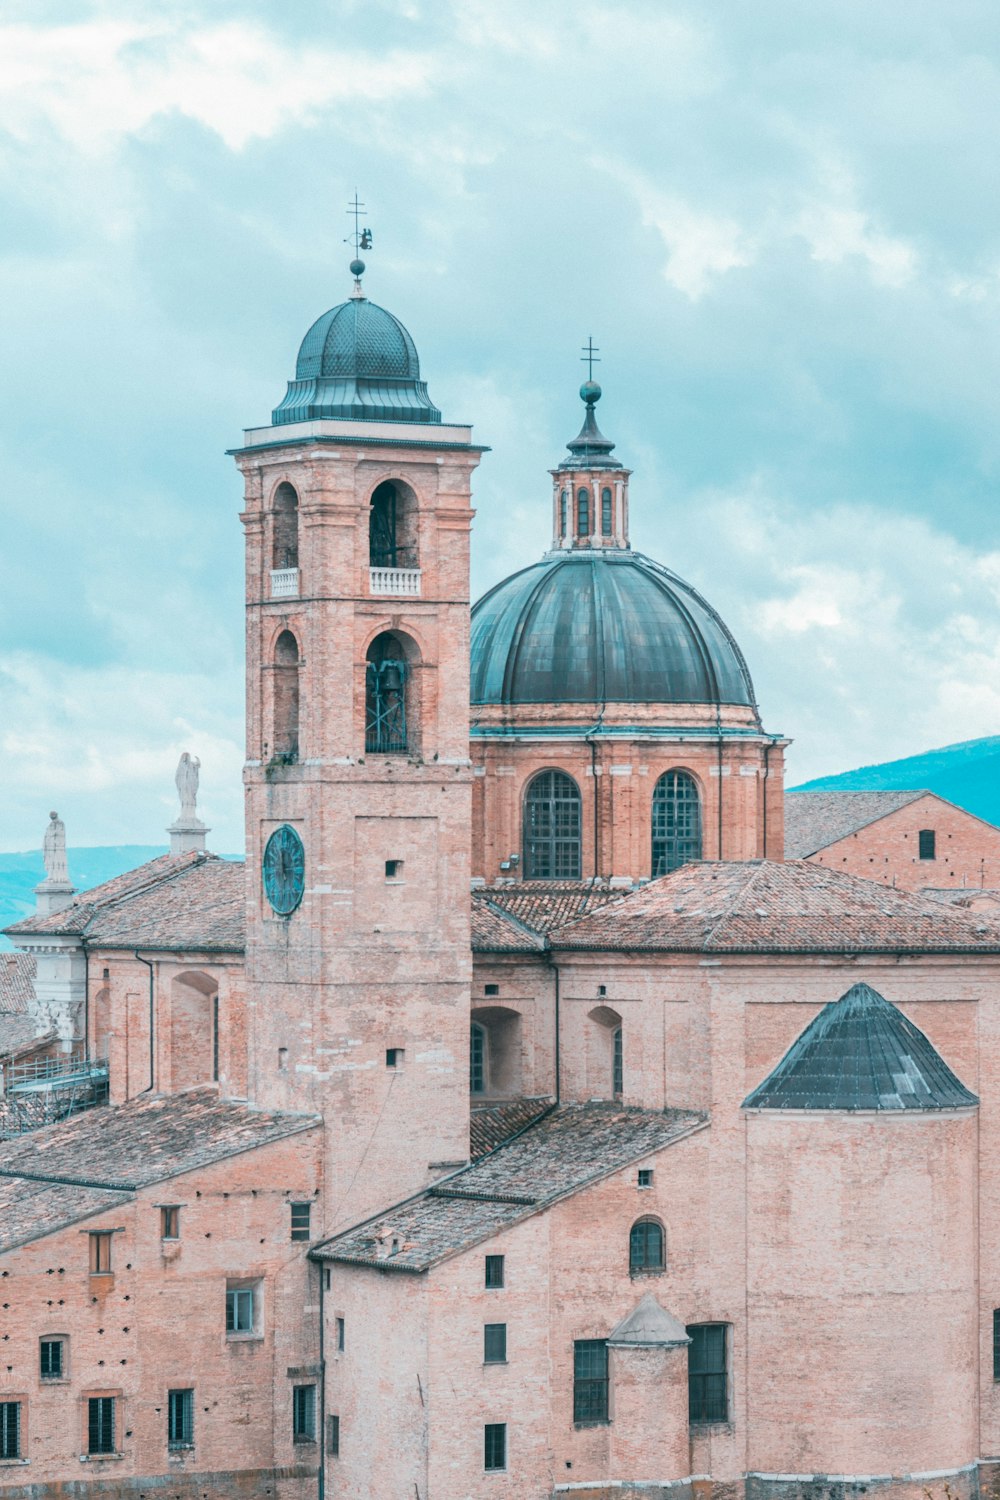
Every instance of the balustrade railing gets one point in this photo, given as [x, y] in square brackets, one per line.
[394, 581]
[284, 583]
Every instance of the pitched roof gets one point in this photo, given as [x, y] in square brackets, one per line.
[492, 1124]
[20, 1034]
[513, 918]
[860, 1052]
[17, 982]
[566, 1150]
[30, 1210]
[188, 902]
[648, 1326]
[496, 931]
[814, 820]
[762, 906]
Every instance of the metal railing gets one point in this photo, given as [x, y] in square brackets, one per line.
[39, 1093]
[284, 583]
[398, 581]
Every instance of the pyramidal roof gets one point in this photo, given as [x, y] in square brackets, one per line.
[648, 1326]
[861, 1053]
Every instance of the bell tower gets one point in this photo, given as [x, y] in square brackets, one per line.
[358, 780]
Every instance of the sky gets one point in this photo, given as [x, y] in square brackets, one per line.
[780, 223]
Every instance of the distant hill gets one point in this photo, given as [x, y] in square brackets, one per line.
[967, 774]
[20, 873]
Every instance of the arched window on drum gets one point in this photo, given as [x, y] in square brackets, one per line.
[583, 512]
[552, 828]
[606, 515]
[676, 822]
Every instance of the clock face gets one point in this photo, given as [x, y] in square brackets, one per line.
[284, 870]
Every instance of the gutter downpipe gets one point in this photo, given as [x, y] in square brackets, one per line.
[321, 1435]
[152, 1040]
[555, 975]
[86, 999]
[718, 725]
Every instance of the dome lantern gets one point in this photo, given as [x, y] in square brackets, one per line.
[590, 488]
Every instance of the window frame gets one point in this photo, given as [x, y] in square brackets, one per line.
[591, 1392]
[699, 1398]
[607, 513]
[478, 1043]
[494, 1267]
[552, 826]
[333, 1434]
[304, 1413]
[170, 1221]
[638, 1247]
[996, 1343]
[11, 1429]
[300, 1220]
[237, 1290]
[494, 1442]
[676, 822]
[180, 1415]
[927, 843]
[617, 1063]
[583, 511]
[494, 1343]
[107, 1419]
[101, 1258]
[53, 1341]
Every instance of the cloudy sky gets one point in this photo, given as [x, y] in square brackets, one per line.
[780, 221]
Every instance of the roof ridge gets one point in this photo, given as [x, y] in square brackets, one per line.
[539, 938]
[748, 885]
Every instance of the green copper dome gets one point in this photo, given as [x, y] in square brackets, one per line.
[357, 361]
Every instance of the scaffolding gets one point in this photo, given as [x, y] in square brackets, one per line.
[38, 1093]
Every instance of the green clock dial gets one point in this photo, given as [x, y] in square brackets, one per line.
[284, 870]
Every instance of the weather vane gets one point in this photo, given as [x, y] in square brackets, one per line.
[361, 240]
[590, 358]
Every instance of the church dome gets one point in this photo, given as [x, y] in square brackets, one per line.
[602, 627]
[357, 361]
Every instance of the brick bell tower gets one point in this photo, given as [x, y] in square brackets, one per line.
[358, 781]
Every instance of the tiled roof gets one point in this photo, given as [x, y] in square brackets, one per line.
[511, 918]
[568, 1149]
[861, 1053]
[492, 1124]
[814, 820]
[191, 902]
[19, 1034]
[147, 1140]
[768, 907]
[30, 1210]
[17, 982]
[968, 896]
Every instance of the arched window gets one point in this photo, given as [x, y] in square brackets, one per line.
[563, 516]
[676, 822]
[645, 1246]
[606, 526]
[385, 696]
[392, 522]
[285, 535]
[617, 1068]
[286, 695]
[477, 1059]
[583, 512]
[552, 828]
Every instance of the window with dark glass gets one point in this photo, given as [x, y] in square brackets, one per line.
[341, 1332]
[383, 550]
[707, 1395]
[100, 1253]
[180, 1418]
[494, 1272]
[495, 1445]
[563, 517]
[170, 1222]
[645, 1246]
[996, 1343]
[495, 1344]
[552, 828]
[927, 842]
[477, 1059]
[333, 1435]
[10, 1429]
[304, 1414]
[606, 526]
[617, 1063]
[51, 1365]
[301, 1214]
[101, 1424]
[676, 822]
[240, 1309]
[590, 1380]
[583, 512]
[645, 1177]
[385, 697]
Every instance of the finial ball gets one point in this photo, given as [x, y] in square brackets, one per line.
[357, 268]
[590, 392]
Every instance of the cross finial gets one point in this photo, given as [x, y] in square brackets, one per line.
[361, 239]
[590, 358]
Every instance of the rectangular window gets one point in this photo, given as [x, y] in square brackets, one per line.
[340, 1335]
[707, 1397]
[100, 1253]
[495, 1445]
[926, 843]
[333, 1436]
[170, 1223]
[240, 1309]
[495, 1344]
[494, 1272]
[394, 869]
[590, 1380]
[304, 1414]
[996, 1343]
[491, 989]
[50, 1364]
[215, 1038]
[10, 1429]
[394, 1057]
[180, 1419]
[300, 1220]
[645, 1177]
[101, 1424]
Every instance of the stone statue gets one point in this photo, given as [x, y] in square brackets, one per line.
[187, 787]
[54, 852]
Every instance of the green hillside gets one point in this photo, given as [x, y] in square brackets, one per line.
[967, 773]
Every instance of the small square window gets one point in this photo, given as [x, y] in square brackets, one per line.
[926, 843]
[101, 1425]
[495, 1445]
[180, 1418]
[645, 1177]
[51, 1364]
[340, 1335]
[170, 1223]
[394, 869]
[495, 1344]
[491, 989]
[10, 1429]
[241, 1309]
[602, 990]
[333, 1435]
[304, 1414]
[100, 1253]
[394, 1057]
[300, 1220]
[494, 1272]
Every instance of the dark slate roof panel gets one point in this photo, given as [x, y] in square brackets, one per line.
[861, 1053]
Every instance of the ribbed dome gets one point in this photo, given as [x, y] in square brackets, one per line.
[357, 361]
[602, 627]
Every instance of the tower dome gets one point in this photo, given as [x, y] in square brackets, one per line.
[357, 361]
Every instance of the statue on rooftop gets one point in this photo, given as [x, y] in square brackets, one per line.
[54, 851]
[187, 786]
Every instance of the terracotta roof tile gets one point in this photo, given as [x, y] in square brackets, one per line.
[814, 820]
[492, 1124]
[769, 907]
[17, 982]
[75, 917]
[506, 917]
[30, 1210]
[20, 1034]
[565, 1151]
